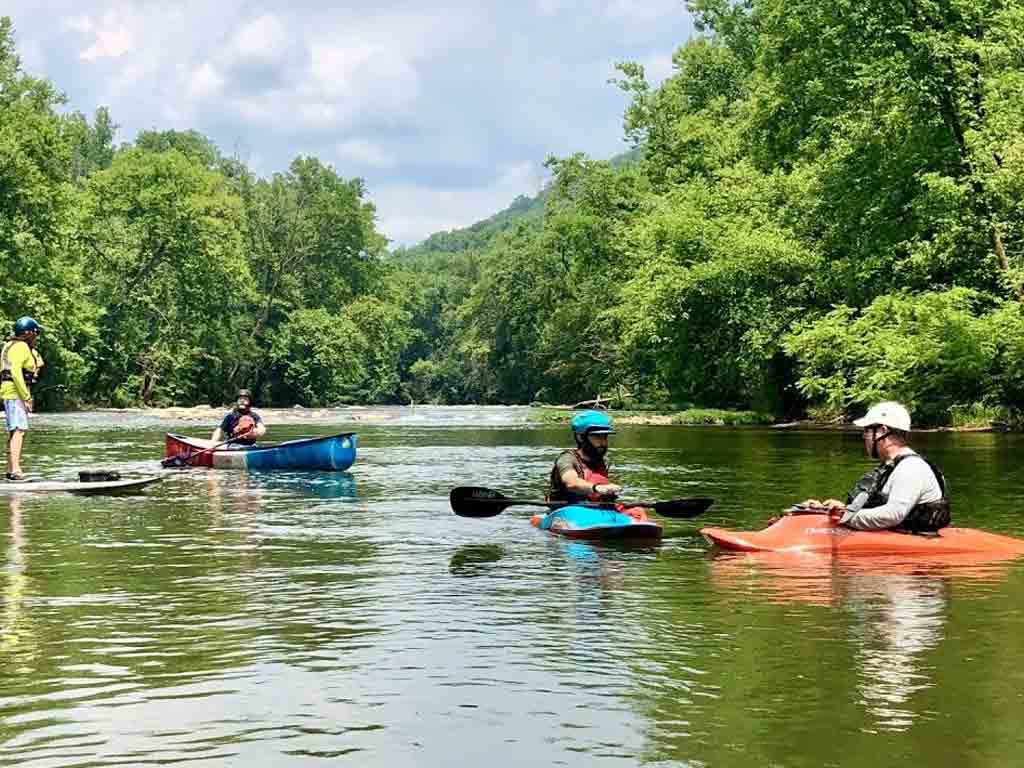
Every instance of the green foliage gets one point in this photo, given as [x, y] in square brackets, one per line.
[41, 275]
[683, 417]
[92, 145]
[932, 351]
[326, 359]
[521, 210]
[191, 144]
[162, 244]
[319, 357]
[821, 208]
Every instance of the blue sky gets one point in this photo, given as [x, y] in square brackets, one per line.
[447, 109]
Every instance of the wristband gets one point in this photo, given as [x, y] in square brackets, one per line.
[594, 489]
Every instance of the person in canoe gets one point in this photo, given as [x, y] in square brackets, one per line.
[904, 492]
[241, 425]
[20, 366]
[581, 473]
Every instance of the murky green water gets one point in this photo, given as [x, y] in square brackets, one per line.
[280, 619]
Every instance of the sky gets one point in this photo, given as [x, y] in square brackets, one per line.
[447, 108]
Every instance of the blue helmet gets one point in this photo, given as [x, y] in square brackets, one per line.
[25, 325]
[591, 423]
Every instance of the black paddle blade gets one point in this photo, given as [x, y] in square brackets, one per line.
[683, 507]
[469, 501]
[179, 461]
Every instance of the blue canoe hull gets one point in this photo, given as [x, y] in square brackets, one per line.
[579, 522]
[334, 453]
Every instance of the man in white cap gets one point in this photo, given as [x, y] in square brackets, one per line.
[905, 491]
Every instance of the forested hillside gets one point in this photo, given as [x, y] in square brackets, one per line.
[826, 211]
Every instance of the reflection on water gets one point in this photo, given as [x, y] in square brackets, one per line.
[324, 485]
[275, 619]
[475, 559]
[900, 618]
[899, 604]
[13, 621]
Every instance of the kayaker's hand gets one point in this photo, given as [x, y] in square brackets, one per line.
[811, 504]
[833, 504]
[608, 489]
[28, 405]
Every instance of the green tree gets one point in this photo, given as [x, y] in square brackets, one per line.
[41, 274]
[162, 240]
[312, 244]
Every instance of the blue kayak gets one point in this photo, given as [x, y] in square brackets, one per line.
[593, 522]
[332, 453]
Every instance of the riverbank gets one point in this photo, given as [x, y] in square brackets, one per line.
[697, 417]
[688, 417]
[209, 415]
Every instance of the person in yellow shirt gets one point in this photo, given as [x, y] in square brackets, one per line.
[20, 365]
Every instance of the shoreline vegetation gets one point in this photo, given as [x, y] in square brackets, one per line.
[540, 414]
[768, 250]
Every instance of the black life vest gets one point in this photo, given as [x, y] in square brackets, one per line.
[922, 518]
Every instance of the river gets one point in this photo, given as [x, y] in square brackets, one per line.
[278, 619]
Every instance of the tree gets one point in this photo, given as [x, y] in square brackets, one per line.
[161, 236]
[41, 274]
[312, 243]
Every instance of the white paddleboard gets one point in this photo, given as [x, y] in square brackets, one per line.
[56, 486]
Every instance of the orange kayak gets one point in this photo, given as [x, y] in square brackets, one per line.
[814, 533]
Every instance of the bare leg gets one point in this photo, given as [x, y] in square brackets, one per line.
[15, 439]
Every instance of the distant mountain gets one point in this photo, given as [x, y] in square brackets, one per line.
[478, 235]
[522, 209]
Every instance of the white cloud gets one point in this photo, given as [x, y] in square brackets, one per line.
[261, 38]
[334, 66]
[643, 10]
[425, 104]
[657, 67]
[550, 7]
[205, 81]
[113, 35]
[363, 152]
[410, 212]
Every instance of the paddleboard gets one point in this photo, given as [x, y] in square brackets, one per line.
[76, 486]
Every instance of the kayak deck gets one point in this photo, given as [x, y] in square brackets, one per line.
[821, 534]
[583, 522]
[78, 487]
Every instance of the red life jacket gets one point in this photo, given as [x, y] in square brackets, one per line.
[592, 475]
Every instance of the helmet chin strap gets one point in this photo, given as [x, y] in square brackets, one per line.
[875, 439]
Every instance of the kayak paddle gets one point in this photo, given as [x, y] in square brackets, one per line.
[468, 501]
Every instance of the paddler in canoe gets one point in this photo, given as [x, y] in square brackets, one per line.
[580, 474]
[241, 425]
[20, 366]
[904, 492]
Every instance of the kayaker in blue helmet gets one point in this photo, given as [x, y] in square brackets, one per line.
[905, 491]
[581, 473]
[241, 425]
[20, 366]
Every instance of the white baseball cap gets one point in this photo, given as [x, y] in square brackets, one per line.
[887, 414]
